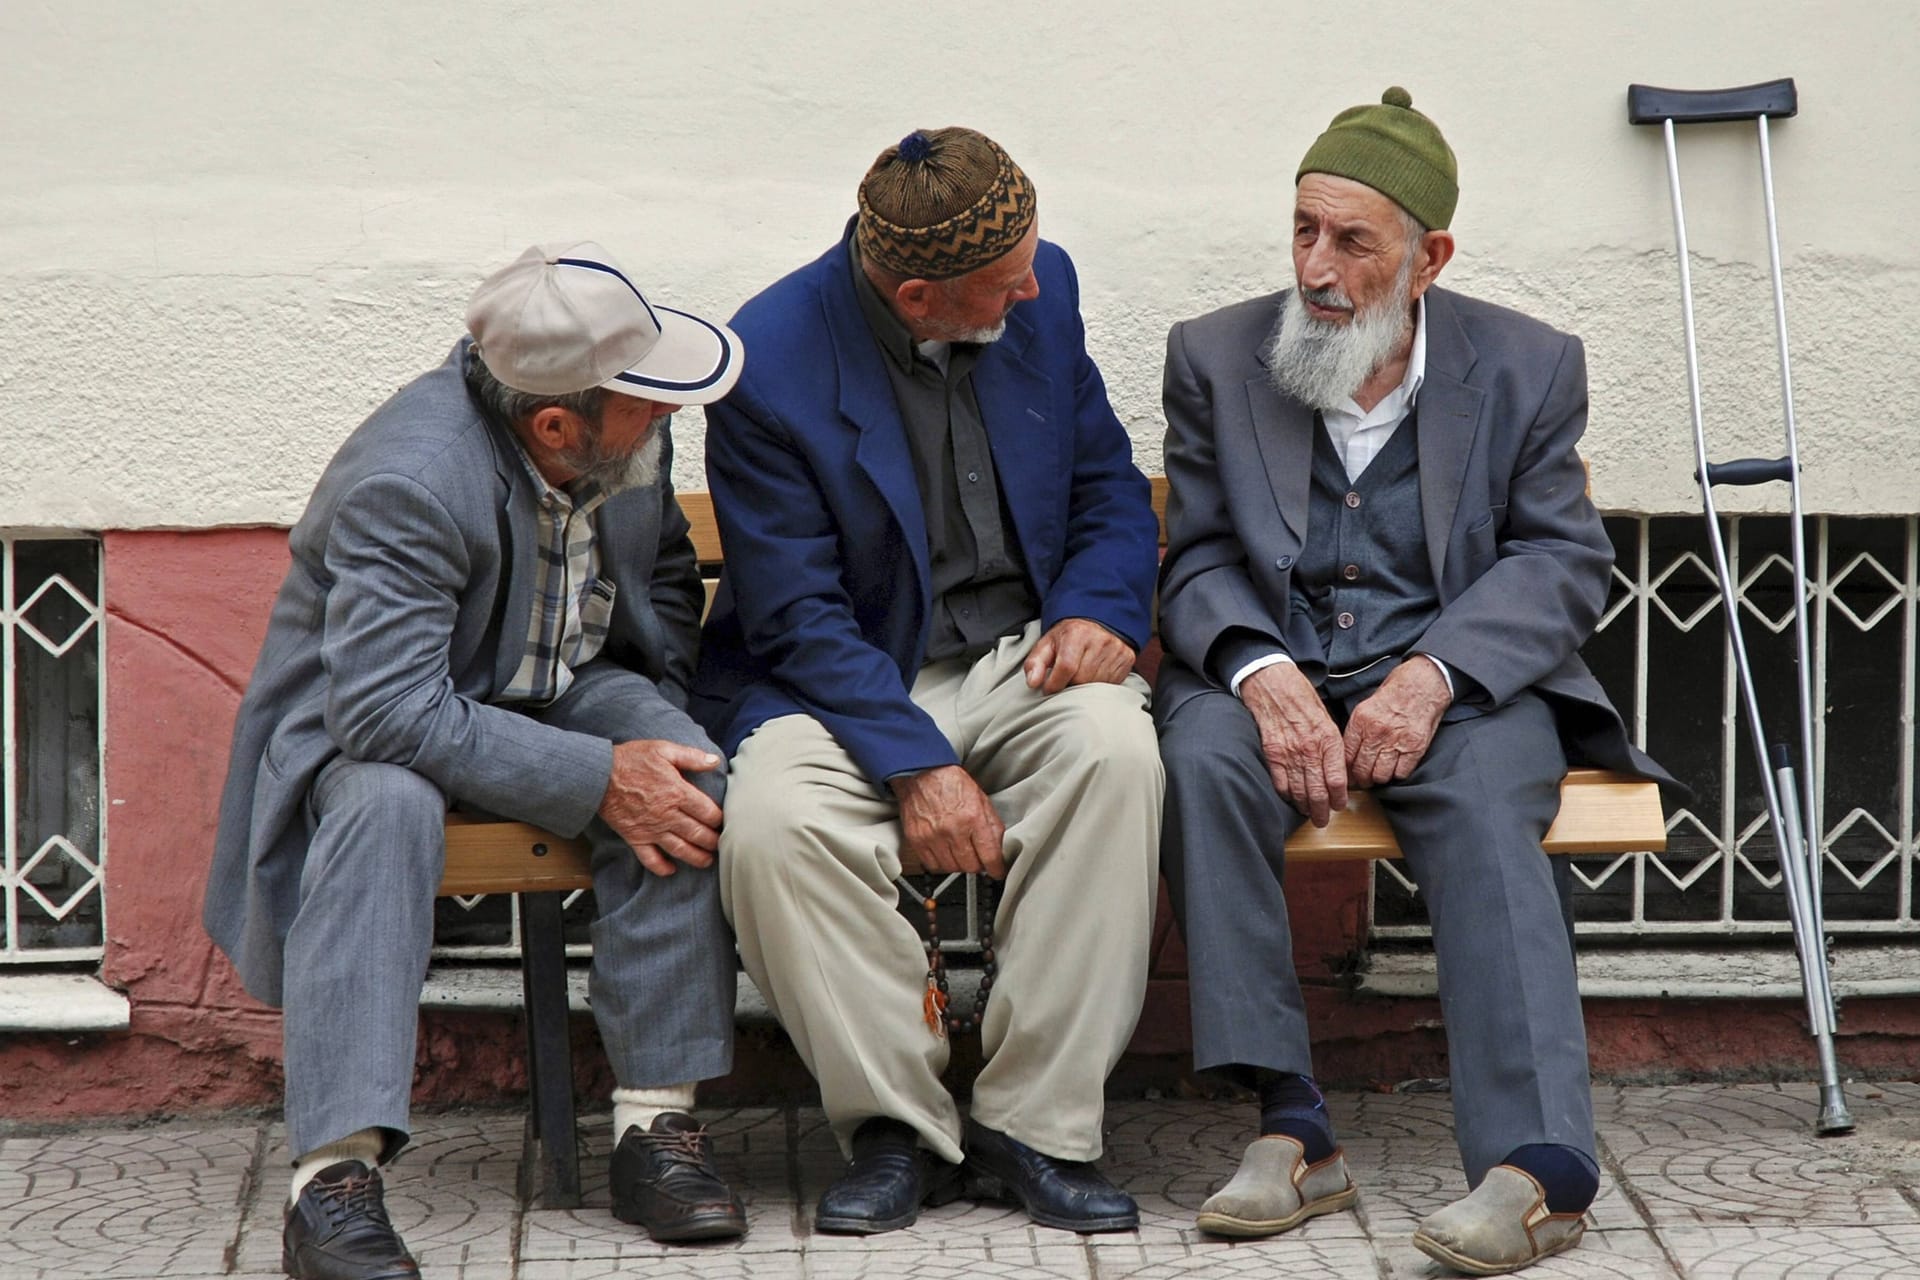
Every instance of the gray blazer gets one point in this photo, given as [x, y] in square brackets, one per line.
[1518, 550]
[404, 613]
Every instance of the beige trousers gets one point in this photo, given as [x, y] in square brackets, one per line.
[807, 865]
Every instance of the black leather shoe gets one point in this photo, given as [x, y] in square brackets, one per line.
[663, 1179]
[338, 1230]
[888, 1181]
[1069, 1194]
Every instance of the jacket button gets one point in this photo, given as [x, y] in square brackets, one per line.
[1284, 562]
[1353, 501]
[1351, 572]
[1345, 620]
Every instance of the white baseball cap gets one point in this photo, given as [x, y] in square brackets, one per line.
[565, 318]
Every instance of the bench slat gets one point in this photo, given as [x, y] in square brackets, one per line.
[1600, 812]
[498, 857]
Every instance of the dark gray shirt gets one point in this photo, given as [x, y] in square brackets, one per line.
[980, 587]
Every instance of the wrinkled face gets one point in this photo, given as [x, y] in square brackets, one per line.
[974, 307]
[1349, 243]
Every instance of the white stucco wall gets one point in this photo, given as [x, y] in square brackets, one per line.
[229, 228]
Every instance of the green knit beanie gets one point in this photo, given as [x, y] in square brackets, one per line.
[1396, 151]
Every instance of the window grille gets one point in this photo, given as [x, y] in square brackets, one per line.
[51, 711]
[1661, 653]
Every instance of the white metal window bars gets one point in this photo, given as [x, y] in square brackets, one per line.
[1661, 652]
[1720, 878]
[52, 712]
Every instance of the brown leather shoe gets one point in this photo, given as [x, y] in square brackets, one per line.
[664, 1180]
[338, 1230]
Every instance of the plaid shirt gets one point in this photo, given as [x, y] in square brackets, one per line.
[571, 601]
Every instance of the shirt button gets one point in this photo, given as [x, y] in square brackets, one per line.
[1345, 621]
[1351, 572]
[1353, 500]
[1284, 562]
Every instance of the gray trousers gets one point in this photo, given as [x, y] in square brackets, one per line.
[662, 983]
[1469, 821]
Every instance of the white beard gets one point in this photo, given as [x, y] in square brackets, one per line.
[1322, 364]
[978, 337]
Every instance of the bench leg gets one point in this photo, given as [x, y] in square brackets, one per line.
[550, 1161]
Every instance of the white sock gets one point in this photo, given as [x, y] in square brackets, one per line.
[364, 1146]
[641, 1106]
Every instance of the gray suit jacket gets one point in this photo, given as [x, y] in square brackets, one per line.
[1518, 550]
[404, 613]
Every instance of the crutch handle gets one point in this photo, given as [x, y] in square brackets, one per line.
[1744, 471]
[1648, 105]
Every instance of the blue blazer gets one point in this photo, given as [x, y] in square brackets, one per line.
[824, 604]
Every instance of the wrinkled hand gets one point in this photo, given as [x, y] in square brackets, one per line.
[1077, 651]
[1389, 733]
[948, 822]
[1303, 749]
[651, 805]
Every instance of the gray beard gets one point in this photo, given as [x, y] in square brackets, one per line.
[615, 474]
[1322, 364]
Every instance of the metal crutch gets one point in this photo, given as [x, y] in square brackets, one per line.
[1793, 802]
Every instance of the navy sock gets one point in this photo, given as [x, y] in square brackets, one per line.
[1568, 1174]
[1291, 1105]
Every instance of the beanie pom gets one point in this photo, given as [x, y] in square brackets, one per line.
[1394, 97]
[914, 147]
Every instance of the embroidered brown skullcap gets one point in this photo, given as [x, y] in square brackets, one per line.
[941, 203]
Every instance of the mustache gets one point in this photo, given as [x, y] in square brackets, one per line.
[1331, 296]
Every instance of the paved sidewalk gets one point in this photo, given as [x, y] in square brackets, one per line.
[1701, 1181]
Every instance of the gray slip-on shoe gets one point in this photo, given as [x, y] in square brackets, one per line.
[1503, 1225]
[1276, 1190]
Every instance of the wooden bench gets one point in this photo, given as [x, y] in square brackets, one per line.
[1600, 812]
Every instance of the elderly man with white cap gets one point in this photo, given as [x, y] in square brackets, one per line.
[493, 603]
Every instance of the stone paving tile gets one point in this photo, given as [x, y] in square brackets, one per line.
[1735, 1154]
[751, 1152]
[1298, 1255]
[1730, 1178]
[1609, 1255]
[1813, 1253]
[150, 1202]
[683, 1264]
[1000, 1258]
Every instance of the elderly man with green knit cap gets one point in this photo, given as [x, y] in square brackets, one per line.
[1381, 564]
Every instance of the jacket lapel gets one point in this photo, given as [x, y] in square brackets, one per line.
[1283, 431]
[518, 555]
[1449, 418]
[866, 401]
[1013, 395]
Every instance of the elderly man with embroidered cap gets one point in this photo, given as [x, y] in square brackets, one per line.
[1381, 562]
[939, 559]
[493, 603]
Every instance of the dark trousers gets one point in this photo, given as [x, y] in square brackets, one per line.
[1469, 821]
